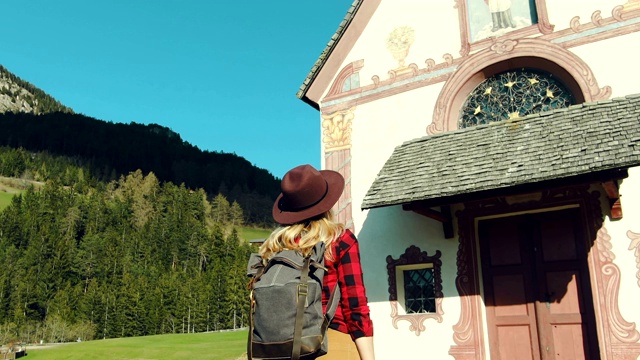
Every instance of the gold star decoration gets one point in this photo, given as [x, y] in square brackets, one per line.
[549, 93]
[509, 84]
[478, 110]
[514, 115]
[533, 81]
[488, 91]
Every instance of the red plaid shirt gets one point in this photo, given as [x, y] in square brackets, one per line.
[352, 316]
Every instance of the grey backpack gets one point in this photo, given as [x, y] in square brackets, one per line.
[286, 319]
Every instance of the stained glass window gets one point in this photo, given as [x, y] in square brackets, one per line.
[513, 94]
[419, 292]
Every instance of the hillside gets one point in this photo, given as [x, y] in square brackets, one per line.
[18, 95]
[39, 126]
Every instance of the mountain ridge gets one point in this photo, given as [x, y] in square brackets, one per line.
[37, 122]
[18, 95]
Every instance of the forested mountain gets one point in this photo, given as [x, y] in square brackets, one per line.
[108, 150]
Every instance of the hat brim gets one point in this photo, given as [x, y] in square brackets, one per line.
[335, 184]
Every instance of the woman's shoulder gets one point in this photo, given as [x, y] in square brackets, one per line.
[345, 240]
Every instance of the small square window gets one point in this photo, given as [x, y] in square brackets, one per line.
[415, 287]
[419, 293]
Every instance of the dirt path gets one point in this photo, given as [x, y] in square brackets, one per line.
[15, 185]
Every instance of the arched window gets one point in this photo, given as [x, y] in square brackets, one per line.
[513, 94]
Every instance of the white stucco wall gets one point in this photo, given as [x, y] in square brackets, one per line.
[614, 63]
[436, 32]
[379, 126]
[389, 231]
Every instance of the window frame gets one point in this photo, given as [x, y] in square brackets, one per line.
[400, 270]
[413, 258]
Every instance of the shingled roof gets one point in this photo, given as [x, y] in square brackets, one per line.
[313, 73]
[564, 143]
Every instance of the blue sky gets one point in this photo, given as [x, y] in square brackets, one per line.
[222, 74]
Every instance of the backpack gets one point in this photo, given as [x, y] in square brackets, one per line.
[286, 319]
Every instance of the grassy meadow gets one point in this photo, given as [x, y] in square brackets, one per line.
[5, 199]
[249, 233]
[207, 346]
[8, 188]
[12, 186]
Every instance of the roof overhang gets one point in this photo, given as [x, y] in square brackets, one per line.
[330, 61]
[586, 143]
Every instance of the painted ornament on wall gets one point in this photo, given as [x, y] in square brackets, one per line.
[489, 18]
[635, 247]
[399, 43]
[336, 130]
[632, 5]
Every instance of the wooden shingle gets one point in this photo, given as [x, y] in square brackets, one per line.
[559, 144]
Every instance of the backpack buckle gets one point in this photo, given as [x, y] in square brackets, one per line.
[303, 289]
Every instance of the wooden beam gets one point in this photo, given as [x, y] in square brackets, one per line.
[444, 216]
[613, 193]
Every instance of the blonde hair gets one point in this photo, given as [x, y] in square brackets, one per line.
[303, 236]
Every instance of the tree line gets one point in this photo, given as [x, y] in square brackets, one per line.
[130, 257]
[108, 150]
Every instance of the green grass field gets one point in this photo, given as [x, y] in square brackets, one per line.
[254, 233]
[209, 346]
[5, 199]
[10, 187]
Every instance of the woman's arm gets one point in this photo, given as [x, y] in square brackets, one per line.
[354, 301]
[365, 347]
[353, 296]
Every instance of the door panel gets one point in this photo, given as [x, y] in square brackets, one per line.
[509, 295]
[568, 342]
[509, 291]
[516, 342]
[537, 290]
[553, 232]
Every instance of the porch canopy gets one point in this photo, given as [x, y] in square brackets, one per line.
[586, 143]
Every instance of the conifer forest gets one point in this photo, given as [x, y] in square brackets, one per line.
[87, 259]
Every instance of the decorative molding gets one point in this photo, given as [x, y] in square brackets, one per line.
[617, 15]
[413, 255]
[416, 320]
[340, 161]
[445, 117]
[336, 130]
[411, 69]
[598, 28]
[632, 5]
[621, 336]
[635, 247]
[623, 21]
[345, 73]
[467, 332]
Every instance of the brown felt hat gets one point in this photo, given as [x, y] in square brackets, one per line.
[306, 193]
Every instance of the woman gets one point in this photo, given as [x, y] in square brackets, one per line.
[303, 210]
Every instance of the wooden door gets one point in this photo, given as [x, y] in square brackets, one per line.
[536, 287]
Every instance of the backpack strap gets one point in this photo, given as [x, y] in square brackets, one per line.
[303, 290]
[255, 271]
